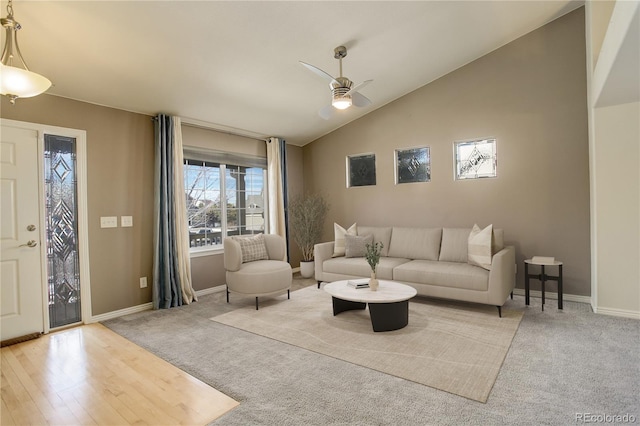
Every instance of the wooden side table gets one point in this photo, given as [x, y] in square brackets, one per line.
[543, 278]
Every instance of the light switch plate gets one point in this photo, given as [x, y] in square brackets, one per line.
[126, 221]
[109, 222]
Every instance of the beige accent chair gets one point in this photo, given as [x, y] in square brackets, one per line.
[260, 277]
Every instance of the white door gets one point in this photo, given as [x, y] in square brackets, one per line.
[21, 306]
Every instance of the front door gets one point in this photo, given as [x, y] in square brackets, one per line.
[21, 292]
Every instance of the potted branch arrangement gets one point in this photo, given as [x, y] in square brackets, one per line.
[372, 254]
[306, 218]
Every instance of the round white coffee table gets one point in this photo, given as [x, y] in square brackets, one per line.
[388, 306]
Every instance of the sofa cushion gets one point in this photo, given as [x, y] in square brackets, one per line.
[356, 245]
[338, 238]
[455, 242]
[380, 235]
[480, 246]
[358, 266]
[415, 243]
[252, 247]
[447, 274]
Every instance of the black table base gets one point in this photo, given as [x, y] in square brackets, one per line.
[384, 316]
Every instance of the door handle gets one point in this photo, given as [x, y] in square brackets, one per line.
[30, 243]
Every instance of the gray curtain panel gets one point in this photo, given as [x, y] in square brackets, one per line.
[166, 277]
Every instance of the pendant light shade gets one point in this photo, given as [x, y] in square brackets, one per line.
[16, 81]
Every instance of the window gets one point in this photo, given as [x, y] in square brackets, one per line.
[223, 200]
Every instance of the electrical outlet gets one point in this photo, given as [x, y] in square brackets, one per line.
[109, 222]
[143, 282]
[126, 221]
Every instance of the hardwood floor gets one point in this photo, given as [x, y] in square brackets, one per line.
[90, 375]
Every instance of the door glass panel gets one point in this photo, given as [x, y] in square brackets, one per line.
[63, 271]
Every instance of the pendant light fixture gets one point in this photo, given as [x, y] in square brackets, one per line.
[16, 81]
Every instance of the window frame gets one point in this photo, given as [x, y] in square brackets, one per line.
[251, 162]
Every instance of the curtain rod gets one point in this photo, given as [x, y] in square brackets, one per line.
[222, 129]
[219, 128]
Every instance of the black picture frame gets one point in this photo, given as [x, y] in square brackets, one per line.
[361, 170]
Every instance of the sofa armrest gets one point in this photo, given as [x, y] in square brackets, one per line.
[321, 252]
[502, 277]
[232, 255]
[276, 247]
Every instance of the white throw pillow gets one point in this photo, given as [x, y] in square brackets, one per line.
[338, 239]
[479, 249]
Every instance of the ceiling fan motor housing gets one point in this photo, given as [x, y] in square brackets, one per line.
[340, 86]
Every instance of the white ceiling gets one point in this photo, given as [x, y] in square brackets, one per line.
[234, 64]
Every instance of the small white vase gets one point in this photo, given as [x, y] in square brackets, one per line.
[373, 282]
[307, 269]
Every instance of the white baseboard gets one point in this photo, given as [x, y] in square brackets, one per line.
[582, 299]
[624, 313]
[294, 270]
[210, 290]
[121, 312]
[554, 296]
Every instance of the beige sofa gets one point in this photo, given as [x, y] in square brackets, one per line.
[432, 260]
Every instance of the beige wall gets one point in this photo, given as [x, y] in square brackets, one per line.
[617, 133]
[120, 156]
[295, 186]
[531, 96]
[614, 135]
[208, 271]
[601, 11]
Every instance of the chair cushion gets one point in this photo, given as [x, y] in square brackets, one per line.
[356, 245]
[253, 248]
[338, 238]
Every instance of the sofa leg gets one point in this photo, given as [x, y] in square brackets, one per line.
[288, 294]
[499, 311]
[511, 295]
[319, 284]
[227, 295]
[256, 303]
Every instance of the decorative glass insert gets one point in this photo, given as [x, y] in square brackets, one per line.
[413, 165]
[361, 170]
[63, 267]
[475, 159]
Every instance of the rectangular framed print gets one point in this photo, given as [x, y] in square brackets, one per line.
[361, 170]
[475, 159]
[412, 165]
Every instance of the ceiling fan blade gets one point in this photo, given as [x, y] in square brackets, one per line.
[358, 87]
[360, 100]
[326, 112]
[319, 72]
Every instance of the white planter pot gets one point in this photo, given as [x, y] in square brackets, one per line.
[307, 269]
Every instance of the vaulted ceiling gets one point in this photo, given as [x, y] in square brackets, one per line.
[234, 65]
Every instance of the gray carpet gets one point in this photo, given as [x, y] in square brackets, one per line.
[561, 364]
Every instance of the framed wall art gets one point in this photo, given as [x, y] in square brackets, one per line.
[475, 159]
[412, 165]
[361, 170]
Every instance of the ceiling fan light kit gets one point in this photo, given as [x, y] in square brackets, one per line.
[343, 95]
[16, 81]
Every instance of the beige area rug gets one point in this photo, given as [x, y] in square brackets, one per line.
[455, 347]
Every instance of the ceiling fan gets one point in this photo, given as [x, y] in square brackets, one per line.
[342, 94]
